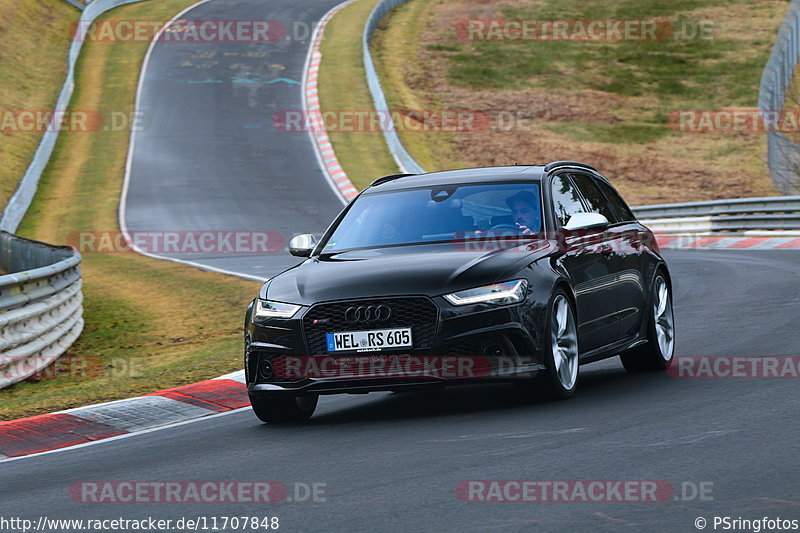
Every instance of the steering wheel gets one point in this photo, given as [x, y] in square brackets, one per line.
[505, 226]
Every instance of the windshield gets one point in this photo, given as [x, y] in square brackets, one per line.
[440, 213]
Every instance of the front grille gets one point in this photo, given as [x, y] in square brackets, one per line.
[418, 313]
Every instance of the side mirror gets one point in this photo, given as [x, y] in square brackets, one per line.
[586, 221]
[302, 245]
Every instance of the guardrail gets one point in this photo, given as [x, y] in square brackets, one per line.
[779, 213]
[405, 162]
[783, 154]
[76, 3]
[41, 311]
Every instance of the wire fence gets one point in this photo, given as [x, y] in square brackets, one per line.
[783, 153]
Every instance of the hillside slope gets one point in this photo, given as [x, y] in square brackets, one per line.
[34, 39]
[609, 103]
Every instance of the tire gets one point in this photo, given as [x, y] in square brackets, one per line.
[559, 380]
[282, 410]
[657, 353]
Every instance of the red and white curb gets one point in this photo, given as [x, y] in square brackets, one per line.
[727, 241]
[325, 152]
[72, 427]
[84, 425]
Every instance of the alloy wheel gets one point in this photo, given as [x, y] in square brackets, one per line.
[664, 319]
[564, 343]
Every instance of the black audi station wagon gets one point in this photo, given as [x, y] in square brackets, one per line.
[517, 274]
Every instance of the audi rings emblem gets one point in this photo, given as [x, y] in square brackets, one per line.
[368, 313]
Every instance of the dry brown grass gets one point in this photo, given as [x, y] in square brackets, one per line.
[564, 117]
[35, 36]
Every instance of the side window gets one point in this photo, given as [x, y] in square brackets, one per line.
[594, 197]
[566, 200]
[624, 212]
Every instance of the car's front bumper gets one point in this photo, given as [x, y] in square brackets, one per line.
[365, 384]
[468, 344]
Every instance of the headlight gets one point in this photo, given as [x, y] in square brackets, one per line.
[510, 292]
[268, 309]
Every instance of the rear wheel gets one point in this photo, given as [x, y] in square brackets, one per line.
[560, 377]
[657, 353]
[278, 410]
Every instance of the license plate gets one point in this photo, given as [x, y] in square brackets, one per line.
[374, 340]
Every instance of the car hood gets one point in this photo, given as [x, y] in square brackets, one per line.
[431, 269]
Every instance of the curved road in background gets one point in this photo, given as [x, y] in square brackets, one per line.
[392, 462]
[208, 156]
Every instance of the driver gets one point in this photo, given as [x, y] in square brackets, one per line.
[525, 212]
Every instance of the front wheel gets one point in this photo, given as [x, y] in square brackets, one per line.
[560, 377]
[657, 353]
[278, 410]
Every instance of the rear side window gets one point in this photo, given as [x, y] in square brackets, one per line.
[594, 197]
[624, 212]
[566, 200]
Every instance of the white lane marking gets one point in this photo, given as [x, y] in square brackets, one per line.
[524, 435]
[125, 436]
[692, 439]
[121, 212]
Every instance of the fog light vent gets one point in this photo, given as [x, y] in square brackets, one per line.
[494, 350]
[265, 371]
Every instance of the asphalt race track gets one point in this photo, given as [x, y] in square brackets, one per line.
[395, 460]
[392, 462]
[208, 157]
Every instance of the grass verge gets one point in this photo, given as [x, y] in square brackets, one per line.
[34, 40]
[407, 88]
[149, 324]
[606, 103]
[342, 87]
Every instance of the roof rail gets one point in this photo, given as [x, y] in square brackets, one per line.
[556, 164]
[391, 177]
